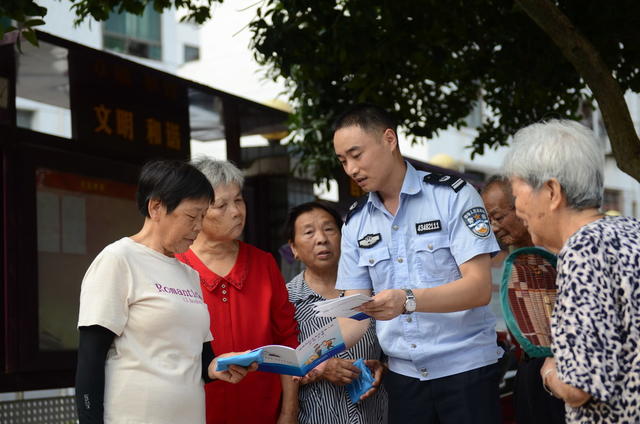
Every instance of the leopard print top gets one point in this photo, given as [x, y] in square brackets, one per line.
[596, 320]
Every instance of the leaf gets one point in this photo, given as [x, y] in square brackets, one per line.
[30, 36]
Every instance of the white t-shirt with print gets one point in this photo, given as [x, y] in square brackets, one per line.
[153, 303]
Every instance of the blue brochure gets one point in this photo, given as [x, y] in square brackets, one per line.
[317, 348]
[243, 360]
[362, 384]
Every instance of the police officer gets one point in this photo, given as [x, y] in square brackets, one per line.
[422, 243]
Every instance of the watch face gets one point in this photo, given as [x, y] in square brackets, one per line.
[410, 305]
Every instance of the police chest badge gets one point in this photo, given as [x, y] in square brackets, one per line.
[477, 221]
[369, 240]
[428, 226]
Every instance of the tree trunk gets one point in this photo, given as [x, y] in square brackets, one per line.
[587, 61]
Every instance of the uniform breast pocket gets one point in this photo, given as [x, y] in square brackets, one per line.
[377, 262]
[433, 259]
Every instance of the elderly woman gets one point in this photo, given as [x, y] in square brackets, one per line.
[556, 170]
[313, 230]
[144, 329]
[248, 303]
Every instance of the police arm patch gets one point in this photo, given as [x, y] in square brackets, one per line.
[477, 220]
[369, 240]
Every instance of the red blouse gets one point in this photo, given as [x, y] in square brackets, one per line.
[249, 308]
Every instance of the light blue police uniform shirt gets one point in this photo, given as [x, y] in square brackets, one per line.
[435, 230]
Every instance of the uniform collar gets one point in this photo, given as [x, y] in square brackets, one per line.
[410, 185]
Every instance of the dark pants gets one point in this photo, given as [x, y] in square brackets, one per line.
[533, 404]
[467, 398]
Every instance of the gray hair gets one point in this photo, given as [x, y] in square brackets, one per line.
[503, 183]
[219, 172]
[561, 149]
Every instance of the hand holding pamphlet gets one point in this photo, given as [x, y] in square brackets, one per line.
[362, 384]
[342, 307]
[317, 348]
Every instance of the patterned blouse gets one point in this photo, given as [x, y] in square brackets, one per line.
[322, 401]
[596, 320]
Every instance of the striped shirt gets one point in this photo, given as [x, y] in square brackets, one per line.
[322, 402]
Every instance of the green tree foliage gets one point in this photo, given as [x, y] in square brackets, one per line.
[429, 61]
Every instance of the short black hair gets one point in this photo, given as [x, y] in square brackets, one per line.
[367, 116]
[296, 211]
[170, 181]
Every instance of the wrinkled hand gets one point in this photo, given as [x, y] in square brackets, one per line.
[313, 375]
[377, 368]
[385, 305]
[549, 363]
[340, 371]
[234, 374]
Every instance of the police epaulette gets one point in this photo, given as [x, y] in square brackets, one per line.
[355, 207]
[456, 183]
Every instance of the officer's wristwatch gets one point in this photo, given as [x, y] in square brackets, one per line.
[410, 303]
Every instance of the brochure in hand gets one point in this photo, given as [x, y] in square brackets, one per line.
[317, 348]
[362, 384]
[342, 307]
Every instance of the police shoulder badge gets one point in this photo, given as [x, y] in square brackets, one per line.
[369, 240]
[456, 183]
[477, 221]
[355, 207]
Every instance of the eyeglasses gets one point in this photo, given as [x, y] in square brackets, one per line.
[497, 218]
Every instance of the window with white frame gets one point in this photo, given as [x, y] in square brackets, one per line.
[135, 35]
[191, 53]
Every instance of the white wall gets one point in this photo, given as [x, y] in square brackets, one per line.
[59, 21]
[226, 62]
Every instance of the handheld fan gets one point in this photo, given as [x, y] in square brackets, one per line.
[527, 295]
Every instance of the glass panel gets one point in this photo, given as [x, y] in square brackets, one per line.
[145, 27]
[137, 48]
[205, 116]
[116, 23]
[114, 43]
[43, 87]
[155, 52]
[191, 53]
[24, 118]
[135, 35]
[77, 216]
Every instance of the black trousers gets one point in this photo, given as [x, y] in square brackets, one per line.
[533, 404]
[470, 397]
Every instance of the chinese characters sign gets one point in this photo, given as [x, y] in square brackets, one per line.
[122, 106]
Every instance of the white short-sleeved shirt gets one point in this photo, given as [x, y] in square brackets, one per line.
[153, 303]
[438, 226]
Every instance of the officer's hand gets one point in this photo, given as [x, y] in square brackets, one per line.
[385, 305]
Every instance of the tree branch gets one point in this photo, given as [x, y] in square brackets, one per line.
[589, 64]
